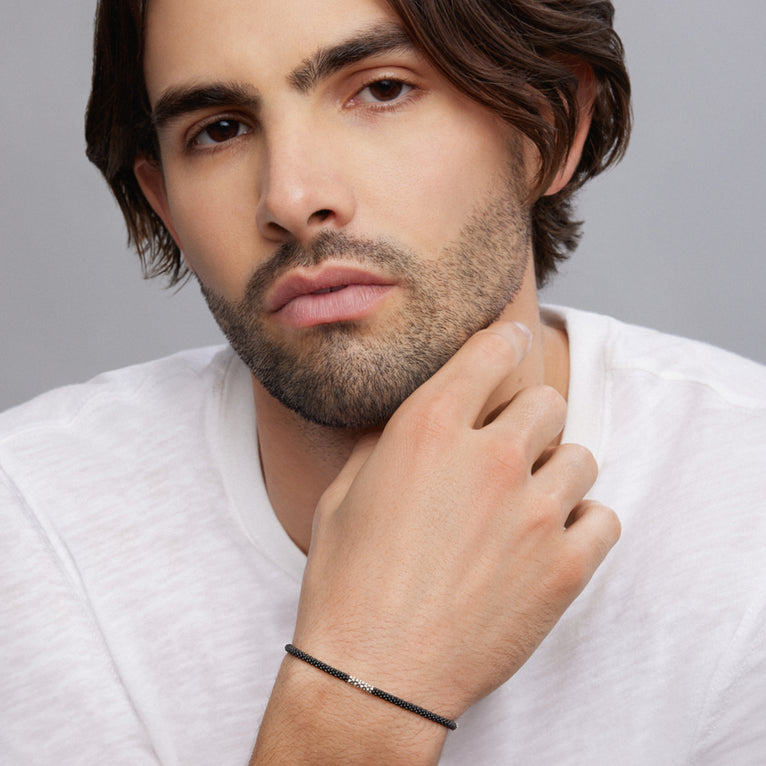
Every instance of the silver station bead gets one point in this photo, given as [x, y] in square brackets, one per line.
[360, 684]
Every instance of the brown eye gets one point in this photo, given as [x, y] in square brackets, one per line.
[383, 91]
[220, 132]
[386, 90]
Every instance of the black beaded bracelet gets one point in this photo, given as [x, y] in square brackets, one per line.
[370, 689]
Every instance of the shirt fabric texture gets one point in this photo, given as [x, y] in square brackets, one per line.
[147, 589]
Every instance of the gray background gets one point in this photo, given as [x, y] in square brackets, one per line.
[673, 238]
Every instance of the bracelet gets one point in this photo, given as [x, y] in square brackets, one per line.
[370, 689]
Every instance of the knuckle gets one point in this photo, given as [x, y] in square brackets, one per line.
[587, 555]
[565, 577]
[612, 528]
[552, 401]
[581, 460]
[605, 526]
[588, 461]
[543, 402]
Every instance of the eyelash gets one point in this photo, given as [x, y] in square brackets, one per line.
[193, 144]
[395, 103]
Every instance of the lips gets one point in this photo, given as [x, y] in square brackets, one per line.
[331, 294]
[330, 279]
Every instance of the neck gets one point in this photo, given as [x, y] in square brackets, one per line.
[299, 459]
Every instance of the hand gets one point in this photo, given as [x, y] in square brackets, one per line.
[446, 550]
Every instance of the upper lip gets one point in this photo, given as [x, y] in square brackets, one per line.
[301, 282]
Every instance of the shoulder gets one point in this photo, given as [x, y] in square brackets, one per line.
[74, 459]
[661, 361]
[675, 424]
[173, 380]
[113, 426]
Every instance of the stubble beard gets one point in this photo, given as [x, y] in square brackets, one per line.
[348, 376]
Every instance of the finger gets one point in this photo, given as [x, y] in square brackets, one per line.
[566, 476]
[593, 529]
[532, 420]
[466, 381]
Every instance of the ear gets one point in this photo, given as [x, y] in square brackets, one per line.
[149, 176]
[586, 94]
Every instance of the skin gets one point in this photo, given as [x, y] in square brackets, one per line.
[434, 488]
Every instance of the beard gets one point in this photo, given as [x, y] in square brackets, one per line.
[354, 375]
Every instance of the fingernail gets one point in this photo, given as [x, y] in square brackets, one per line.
[510, 331]
[527, 333]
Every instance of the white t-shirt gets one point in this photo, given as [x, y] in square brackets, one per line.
[147, 589]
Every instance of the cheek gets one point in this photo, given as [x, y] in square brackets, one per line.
[215, 223]
[438, 177]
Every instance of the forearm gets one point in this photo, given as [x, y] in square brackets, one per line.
[313, 718]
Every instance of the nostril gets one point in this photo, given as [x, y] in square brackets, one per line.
[320, 215]
[277, 229]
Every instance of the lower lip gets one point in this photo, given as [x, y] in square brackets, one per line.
[350, 303]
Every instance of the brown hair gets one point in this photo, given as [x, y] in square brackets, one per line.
[516, 57]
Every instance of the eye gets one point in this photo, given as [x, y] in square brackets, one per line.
[383, 91]
[219, 132]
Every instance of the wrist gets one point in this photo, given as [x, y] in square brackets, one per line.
[313, 718]
[369, 688]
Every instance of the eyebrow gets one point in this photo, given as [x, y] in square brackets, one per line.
[177, 101]
[383, 38]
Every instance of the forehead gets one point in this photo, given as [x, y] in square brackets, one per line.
[246, 40]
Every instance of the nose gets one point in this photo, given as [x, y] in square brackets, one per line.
[304, 187]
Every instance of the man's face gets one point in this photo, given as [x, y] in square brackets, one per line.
[351, 218]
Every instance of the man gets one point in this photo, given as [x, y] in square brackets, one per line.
[368, 194]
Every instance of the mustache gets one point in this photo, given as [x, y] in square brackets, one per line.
[395, 260]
